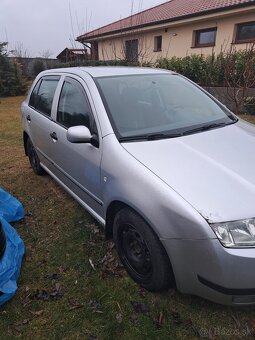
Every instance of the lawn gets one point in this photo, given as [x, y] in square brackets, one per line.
[72, 285]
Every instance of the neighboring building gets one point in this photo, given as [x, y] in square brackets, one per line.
[175, 28]
[73, 54]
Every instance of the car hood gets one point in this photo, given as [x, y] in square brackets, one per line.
[214, 170]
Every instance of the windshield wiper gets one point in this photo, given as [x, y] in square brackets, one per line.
[157, 136]
[206, 127]
[149, 137]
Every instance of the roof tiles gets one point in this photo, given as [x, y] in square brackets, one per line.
[170, 10]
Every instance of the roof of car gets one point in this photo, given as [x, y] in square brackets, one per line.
[107, 71]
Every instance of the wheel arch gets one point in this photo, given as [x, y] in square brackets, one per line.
[113, 208]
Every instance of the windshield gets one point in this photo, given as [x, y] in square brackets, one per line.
[159, 105]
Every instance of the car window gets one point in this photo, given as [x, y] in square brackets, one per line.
[42, 96]
[157, 104]
[73, 107]
[33, 97]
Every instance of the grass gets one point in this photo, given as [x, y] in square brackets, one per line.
[60, 295]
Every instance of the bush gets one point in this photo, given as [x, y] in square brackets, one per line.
[37, 67]
[249, 105]
[96, 63]
[213, 70]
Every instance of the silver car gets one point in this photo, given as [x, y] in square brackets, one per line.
[162, 165]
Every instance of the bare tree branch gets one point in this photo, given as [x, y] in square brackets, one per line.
[19, 51]
[46, 54]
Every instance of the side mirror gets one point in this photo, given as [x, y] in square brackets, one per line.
[78, 134]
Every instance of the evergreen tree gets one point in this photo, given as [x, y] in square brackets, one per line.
[11, 81]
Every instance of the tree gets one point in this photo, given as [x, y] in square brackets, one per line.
[11, 81]
[46, 54]
[20, 51]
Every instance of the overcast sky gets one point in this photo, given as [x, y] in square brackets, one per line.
[41, 25]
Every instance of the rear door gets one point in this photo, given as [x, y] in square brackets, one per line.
[77, 165]
[39, 117]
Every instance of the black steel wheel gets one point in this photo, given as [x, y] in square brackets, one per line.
[2, 241]
[141, 252]
[34, 159]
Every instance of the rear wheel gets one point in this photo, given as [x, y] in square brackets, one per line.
[2, 242]
[34, 159]
[141, 252]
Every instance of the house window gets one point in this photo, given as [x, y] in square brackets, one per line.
[131, 50]
[205, 38]
[158, 43]
[245, 32]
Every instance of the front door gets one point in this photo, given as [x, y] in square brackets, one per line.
[132, 50]
[77, 165]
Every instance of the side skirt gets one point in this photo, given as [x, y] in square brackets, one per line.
[81, 202]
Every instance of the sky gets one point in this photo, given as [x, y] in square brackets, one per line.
[40, 26]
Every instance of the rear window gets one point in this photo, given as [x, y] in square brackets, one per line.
[42, 96]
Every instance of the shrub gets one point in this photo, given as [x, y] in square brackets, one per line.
[76, 63]
[225, 69]
[249, 105]
[37, 67]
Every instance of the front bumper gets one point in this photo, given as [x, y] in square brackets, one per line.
[207, 269]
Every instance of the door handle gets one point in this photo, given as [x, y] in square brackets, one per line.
[54, 136]
[28, 118]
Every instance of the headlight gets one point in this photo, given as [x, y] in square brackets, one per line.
[236, 234]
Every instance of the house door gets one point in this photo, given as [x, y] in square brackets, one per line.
[132, 50]
[94, 50]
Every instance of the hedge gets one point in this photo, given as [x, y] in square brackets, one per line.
[225, 69]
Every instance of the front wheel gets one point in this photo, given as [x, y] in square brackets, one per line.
[141, 252]
[34, 159]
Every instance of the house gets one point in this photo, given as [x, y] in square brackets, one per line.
[73, 54]
[175, 28]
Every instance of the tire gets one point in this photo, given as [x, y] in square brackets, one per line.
[34, 159]
[2, 242]
[141, 252]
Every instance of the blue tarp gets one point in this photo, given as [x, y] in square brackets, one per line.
[10, 210]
